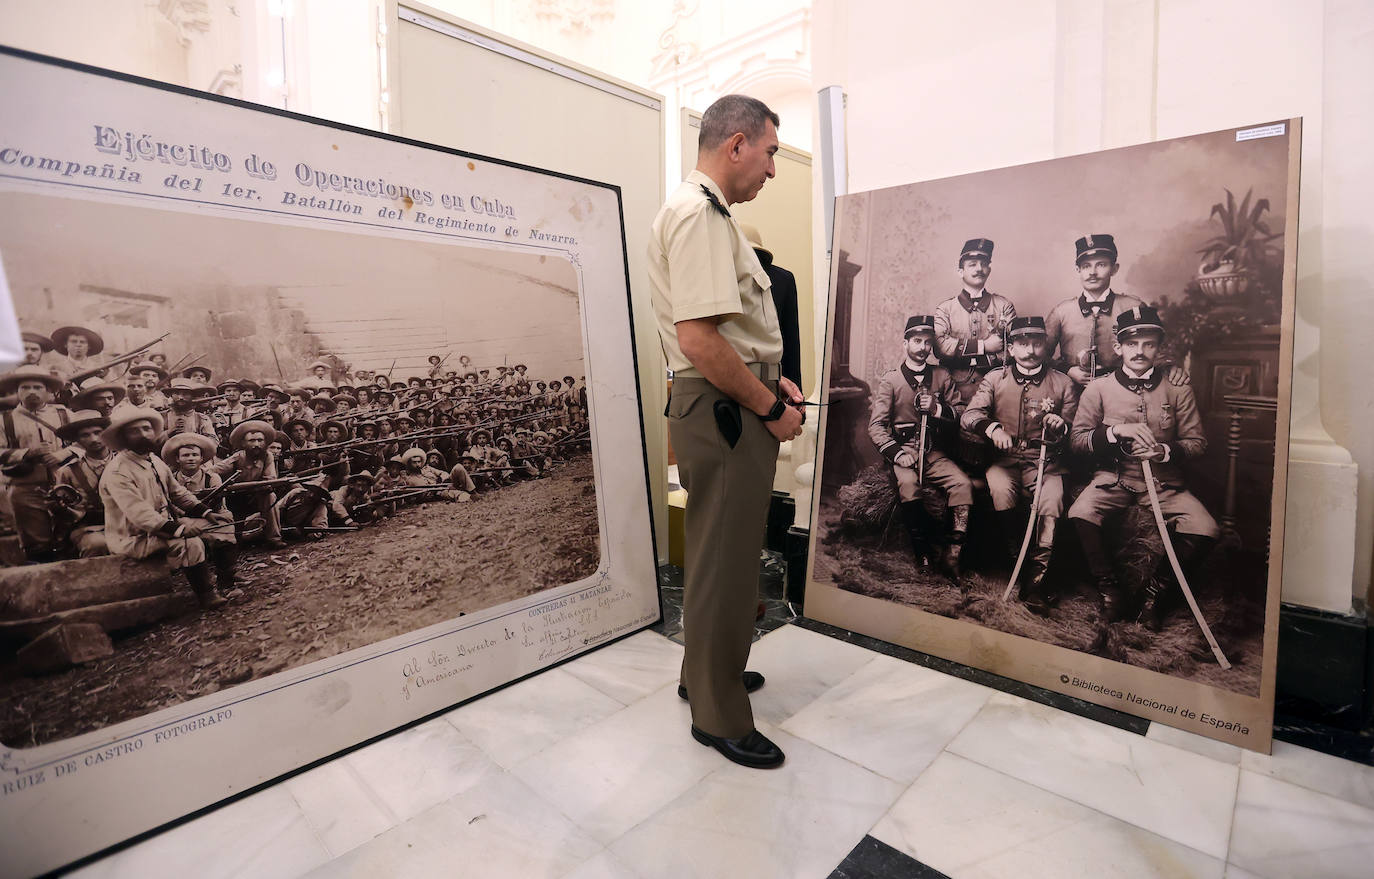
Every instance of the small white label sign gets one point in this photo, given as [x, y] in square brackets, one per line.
[1262, 131]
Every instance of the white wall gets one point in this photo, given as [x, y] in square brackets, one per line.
[933, 93]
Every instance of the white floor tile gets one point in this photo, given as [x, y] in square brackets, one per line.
[617, 772]
[1342, 779]
[339, 806]
[264, 836]
[522, 720]
[800, 666]
[605, 866]
[1283, 830]
[966, 820]
[413, 770]
[1177, 794]
[498, 828]
[796, 821]
[890, 716]
[631, 669]
[1219, 751]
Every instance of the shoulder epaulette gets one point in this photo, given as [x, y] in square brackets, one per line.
[715, 202]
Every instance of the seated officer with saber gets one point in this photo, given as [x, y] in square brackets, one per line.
[906, 400]
[1128, 417]
[1024, 408]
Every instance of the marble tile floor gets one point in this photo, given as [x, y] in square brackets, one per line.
[896, 769]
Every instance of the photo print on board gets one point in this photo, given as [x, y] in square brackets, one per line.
[1103, 338]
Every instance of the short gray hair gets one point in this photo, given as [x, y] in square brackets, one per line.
[733, 114]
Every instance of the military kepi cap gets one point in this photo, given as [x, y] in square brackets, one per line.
[975, 247]
[1138, 320]
[919, 323]
[1029, 325]
[1094, 245]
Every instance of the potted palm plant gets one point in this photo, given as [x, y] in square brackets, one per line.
[1229, 260]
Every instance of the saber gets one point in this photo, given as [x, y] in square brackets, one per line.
[1034, 514]
[1178, 569]
[921, 452]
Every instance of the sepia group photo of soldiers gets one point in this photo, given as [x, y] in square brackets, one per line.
[195, 477]
[1043, 470]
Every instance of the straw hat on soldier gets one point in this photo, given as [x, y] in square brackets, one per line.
[321, 402]
[9, 383]
[147, 365]
[81, 419]
[322, 426]
[362, 476]
[83, 400]
[43, 342]
[175, 444]
[95, 344]
[243, 428]
[119, 421]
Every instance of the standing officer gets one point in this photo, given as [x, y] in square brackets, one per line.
[919, 390]
[1123, 418]
[728, 412]
[970, 328]
[1081, 327]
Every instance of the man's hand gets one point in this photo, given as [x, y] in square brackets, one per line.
[1079, 375]
[1135, 437]
[789, 391]
[925, 402]
[224, 517]
[191, 528]
[1001, 439]
[1178, 376]
[1154, 454]
[905, 459]
[1053, 422]
[993, 343]
[788, 426]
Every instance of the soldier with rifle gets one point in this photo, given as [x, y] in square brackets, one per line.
[31, 454]
[254, 465]
[86, 533]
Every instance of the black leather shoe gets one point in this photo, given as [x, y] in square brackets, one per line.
[753, 750]
[752, 681]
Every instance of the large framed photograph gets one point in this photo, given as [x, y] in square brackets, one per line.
[320, 432]
[1055, 445]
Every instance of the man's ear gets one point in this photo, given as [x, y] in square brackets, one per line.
[736, 142]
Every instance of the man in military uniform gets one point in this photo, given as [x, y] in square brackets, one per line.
[970, 327]
[183, 417]
[1131, 415]
[1081, 327]
[253, 462]
[728, 412]
[87, 535]
[31, 454]
[147, 512]
[76, 346]
[99, 395]
[233, 412]
[1018, 407]
[916, 392]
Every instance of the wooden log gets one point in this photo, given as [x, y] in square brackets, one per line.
[37, 590]
[113, 617]
[64, 646]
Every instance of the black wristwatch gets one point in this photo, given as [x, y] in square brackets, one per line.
[779, 407]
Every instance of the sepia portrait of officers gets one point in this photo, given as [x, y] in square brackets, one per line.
[1063, 415]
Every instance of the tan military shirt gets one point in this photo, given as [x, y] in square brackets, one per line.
[700, 265]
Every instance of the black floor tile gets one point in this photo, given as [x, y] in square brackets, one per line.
[875, 859]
